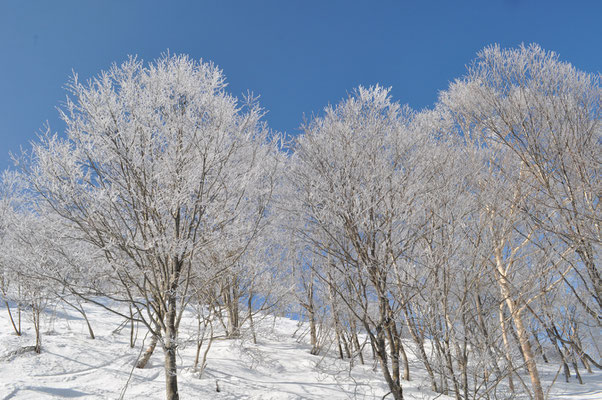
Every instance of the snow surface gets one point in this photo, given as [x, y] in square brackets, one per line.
[279, 367]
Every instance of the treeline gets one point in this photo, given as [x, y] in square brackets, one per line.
[467, 234]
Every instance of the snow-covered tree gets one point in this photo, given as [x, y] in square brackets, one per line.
[356, 182]
[11, 202]
[159, 167]
[549, 115]
[535, 121]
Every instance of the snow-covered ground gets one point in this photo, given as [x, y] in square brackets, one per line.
[278, 367]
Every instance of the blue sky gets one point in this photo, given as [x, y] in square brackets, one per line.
[297, 55]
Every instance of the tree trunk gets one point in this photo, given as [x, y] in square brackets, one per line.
[419, 341]
[486, 336]
[132, 338]
[313, 336]
[12, 321]
[77, 306]
[565, 367]
[450, 367]
[356, 341]
[169, 348]
[394, 384]
[148, 353]
[394, 352]
[251, 322]
[585, 252]
[576, 368]
[196, 367]
[171, 377]
[540, 348]
[404, 358]
[577, 347]
[311, 314]
[523, 336]
[231, 299]
[504, 327]
[36, 325]
[90, 331]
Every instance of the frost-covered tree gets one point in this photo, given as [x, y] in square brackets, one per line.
[471, 229]
[26, 255]
[535, 121]
[159, 167]
[549, 115]
[11, 202]
[357, 183]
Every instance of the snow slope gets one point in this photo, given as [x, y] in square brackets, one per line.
[278, 367]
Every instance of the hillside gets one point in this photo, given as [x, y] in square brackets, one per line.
[279, 367]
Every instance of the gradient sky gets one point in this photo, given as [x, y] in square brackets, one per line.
[297, 55]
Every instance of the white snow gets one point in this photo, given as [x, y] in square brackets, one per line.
[279, 367]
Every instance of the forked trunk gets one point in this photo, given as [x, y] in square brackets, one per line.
[394, 384]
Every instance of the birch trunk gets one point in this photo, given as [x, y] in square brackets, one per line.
[523, 335]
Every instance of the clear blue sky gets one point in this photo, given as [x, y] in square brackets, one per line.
[298, 55]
